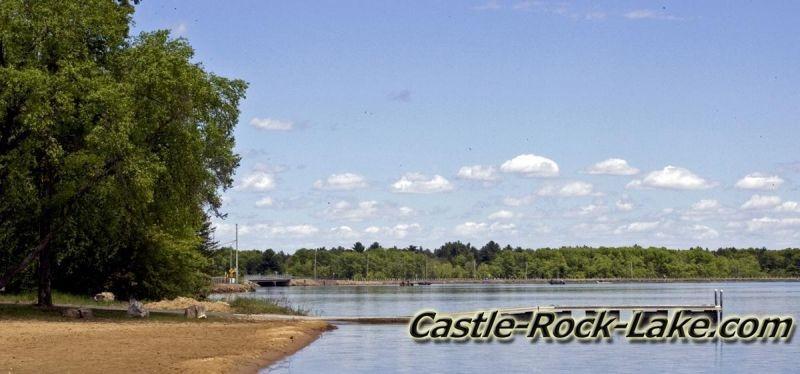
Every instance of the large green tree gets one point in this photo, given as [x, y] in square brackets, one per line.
[113, 149]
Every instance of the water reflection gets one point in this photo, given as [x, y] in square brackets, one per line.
[388, 349]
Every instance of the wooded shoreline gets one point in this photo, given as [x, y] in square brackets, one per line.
[393, 282]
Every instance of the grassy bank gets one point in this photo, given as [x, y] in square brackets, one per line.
[247, 305]
[60, 299]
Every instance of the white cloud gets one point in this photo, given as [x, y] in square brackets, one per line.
[635, 227]
[612, 166]
[293, 231]
[398, 231]
[180, 29]
[344, 181]
[489, 5]
[572, 189]
[624, 205]
[474, 229]
[419, 183]
[502, 214]
[273, 231]
[706, 205]
[346, 211]
[265, 202]
[758, 181]
[471, 228]
[788, 206]
[478, 172]
[761, 202]
[531, 165]
[595, 16]
[518, 201]
[345, 232]
[702, 232]
[258, 181]
[639, 14]
[671, 177]
[591, 209]
[405, 211]
[271, 124]
[771, 224]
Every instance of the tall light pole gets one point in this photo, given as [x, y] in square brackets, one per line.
[237, 252]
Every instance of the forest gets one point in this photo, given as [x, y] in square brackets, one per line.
[463, 260]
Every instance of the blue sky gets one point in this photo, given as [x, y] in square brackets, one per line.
[533, 123]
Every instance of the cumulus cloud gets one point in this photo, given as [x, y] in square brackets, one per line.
[636, 227]
[761, 202]
[265, 202]
[258, 181]
[180, 29]
[640, 14]
[788, 206]
[473, 229]
[572, 189]
[772, 224]
[271, 124]
[405, 211]
[624, 205]
[612, 166]
[702, 232]
[489, 5]
[671, 177]
[345, 232]
[502, 214]
[478, 172]
[293, 230]
[344, 181]
[706, 205]
[419, 183]
[758, 181]
[398, 231]
[531, 165]
[518, 201]
[354, 212]
[274, 230]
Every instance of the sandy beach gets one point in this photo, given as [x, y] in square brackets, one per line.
[149, 347]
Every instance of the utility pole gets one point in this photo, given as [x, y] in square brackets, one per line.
[526, 269]
[237, 252]
[315, 263]
[366, 276]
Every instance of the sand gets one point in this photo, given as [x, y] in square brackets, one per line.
[150, 347]
[181, 303]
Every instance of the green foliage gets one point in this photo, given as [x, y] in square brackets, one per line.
[459, 260]
[113, 149]
[248, 305]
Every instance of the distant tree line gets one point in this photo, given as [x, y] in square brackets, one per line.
[463, 260]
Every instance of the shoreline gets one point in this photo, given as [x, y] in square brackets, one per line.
[230, 346]
[308, 282]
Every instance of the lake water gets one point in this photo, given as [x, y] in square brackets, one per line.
[389, 349]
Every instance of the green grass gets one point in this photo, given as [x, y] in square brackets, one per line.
[248, 305]
[31, 312]
[58, 298]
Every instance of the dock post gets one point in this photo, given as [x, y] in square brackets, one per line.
[720, 304]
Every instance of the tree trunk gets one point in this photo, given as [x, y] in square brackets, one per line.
[45, 294]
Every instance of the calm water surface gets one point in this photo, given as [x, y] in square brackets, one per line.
[388, 348]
